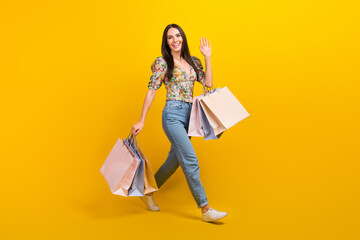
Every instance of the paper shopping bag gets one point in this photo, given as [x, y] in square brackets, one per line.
[208, 130]
[196, 120]
[223, 110]
[137, 185]
[119, 168]
[150, 182]
[195, 128]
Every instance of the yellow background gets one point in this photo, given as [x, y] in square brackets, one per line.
[73, 79]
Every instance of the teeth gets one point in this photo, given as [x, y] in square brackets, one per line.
[176, 45]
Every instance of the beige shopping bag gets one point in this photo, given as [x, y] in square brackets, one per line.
[223, 110]
[150, 182]
[119, 168]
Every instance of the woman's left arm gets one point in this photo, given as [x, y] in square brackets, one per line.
[205, 49]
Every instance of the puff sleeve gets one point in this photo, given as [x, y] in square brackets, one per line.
[200, 68]
[158, 68]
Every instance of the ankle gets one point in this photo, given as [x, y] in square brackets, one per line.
[205, 208]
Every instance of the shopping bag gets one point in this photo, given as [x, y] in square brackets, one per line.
[195, 128]
[119, 168]
[148, 182]
[137, 185]
[149, 179]
[214, 122]
[223, 110]
[208, 130]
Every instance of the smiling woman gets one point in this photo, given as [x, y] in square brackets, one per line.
[175, 51]
[179, 71]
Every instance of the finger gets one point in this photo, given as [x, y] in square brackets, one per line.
[206, 42]
[210, 44]
[201, 42]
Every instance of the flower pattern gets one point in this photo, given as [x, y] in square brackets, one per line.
[181, 86]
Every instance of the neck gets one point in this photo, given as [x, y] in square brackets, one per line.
[176, 55]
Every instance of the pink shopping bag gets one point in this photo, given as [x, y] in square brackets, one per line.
[195, 124]
[119, 168]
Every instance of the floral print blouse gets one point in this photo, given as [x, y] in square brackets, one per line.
[181, 86]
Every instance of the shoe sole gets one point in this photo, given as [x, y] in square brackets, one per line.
[153, 210]
[215, 220]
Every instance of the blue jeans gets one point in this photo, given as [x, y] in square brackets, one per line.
[175, 122]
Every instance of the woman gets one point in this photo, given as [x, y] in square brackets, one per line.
[182, 69]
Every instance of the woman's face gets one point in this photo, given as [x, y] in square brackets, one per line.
[174, 39]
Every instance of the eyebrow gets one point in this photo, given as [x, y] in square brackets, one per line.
[173, 35]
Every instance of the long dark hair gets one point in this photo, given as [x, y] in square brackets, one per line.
[185, 52]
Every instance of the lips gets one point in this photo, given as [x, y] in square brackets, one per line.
[176, 45]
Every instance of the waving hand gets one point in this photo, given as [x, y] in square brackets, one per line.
[205, 47]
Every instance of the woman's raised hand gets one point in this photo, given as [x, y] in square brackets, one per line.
[205, 47]
[137, 127]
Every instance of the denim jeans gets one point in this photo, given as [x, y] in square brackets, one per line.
[175, 122]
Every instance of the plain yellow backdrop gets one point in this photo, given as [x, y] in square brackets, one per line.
[74, 75]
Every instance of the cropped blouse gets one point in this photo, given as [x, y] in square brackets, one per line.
[181, 86]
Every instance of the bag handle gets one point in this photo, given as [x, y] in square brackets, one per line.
[207, 90]
[133, 140]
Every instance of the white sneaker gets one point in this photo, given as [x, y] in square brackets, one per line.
[213, 215]
[150, 203]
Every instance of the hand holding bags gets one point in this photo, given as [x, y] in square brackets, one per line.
[127, 171]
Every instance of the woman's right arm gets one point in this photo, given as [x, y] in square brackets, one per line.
[137, 127]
